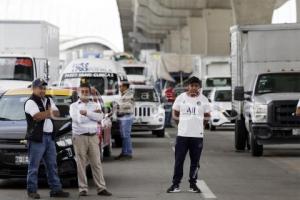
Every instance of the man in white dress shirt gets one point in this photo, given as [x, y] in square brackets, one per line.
[298, 109]
[86, 114]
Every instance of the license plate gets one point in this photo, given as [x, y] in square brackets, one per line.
[296, 132]
[21, 160]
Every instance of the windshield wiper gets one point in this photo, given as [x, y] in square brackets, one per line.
[4, 119]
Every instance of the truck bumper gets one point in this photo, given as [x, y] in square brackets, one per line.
[147, 127]
[266, 134]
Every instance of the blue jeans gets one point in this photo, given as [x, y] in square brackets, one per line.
[125, 124]
[46, 152]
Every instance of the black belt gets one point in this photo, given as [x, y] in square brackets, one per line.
[47, 133]
[88, 134]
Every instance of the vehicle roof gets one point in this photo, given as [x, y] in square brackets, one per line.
[49, 91]
[95, 65]
[13, 55]
[142, 86]
[221, 88]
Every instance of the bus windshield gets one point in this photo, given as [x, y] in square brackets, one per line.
[20, 68]
[106, 84]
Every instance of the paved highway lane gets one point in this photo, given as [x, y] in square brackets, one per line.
[224, 174]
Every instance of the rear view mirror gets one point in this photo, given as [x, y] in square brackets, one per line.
[239, 93]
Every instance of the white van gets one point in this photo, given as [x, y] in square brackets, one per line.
[102, 74]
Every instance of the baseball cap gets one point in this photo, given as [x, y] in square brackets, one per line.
[39, 82]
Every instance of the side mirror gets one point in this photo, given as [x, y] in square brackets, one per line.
[239, 93]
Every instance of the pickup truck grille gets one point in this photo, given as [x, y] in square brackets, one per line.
[143, 111]
[281, 113]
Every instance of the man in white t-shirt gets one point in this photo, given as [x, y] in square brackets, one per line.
[190, 111]
[298, 109]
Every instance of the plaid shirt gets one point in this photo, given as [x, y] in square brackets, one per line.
[126, 103]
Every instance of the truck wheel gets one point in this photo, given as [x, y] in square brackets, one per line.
[107, 151]
[211, 127]
[159, 133]
[240, 134]
[118, 141]
[256, 149]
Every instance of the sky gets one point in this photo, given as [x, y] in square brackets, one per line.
[286, 13]
[75, 18]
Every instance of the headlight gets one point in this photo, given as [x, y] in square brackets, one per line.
[64, 141]
[154, 110]
[260, 112]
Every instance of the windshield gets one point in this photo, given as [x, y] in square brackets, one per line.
[148, 95]
[106, 84]
[12, 107]
[218, 82]
[134, 70]
[16, 69]
[278, 83]
[223, 95]
[206, 92]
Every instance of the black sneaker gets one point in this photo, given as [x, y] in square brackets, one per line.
[194, 188]
[123, 157]
[104, 193]
[60, 193]
[33, 195]
[173, 189]
[83, 193]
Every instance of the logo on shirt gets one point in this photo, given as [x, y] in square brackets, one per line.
[191, 110]
[198, 103]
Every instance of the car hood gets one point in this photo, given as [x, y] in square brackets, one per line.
[223, 105]
[267, 98]
[13, 84]
[13, 129]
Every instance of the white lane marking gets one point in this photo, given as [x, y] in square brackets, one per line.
[167, 135]
[206, 192]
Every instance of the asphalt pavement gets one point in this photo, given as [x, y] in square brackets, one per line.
[224, 175]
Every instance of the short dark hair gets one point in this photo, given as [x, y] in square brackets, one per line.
[125, 83]
[194, 79]
[84, 83]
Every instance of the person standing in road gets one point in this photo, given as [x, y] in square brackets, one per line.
[39, 111]
[190, 111]
[86, 114]
[125, 119]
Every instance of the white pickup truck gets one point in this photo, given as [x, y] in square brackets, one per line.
[149, 114]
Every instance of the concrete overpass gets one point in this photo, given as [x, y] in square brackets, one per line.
[189, 26]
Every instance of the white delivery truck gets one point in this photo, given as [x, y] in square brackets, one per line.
[214, 71]
[266, 81]
[28, 49]
[135, 71]
[103, 74]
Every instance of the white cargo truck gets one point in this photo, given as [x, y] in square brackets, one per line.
[266, 81]
[28, 49]
[214, 71]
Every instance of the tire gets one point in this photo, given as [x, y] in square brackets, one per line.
[240, 134]
[107, 151]
[212, 127]
[159, 133]
[256, 149]
[118, 141]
